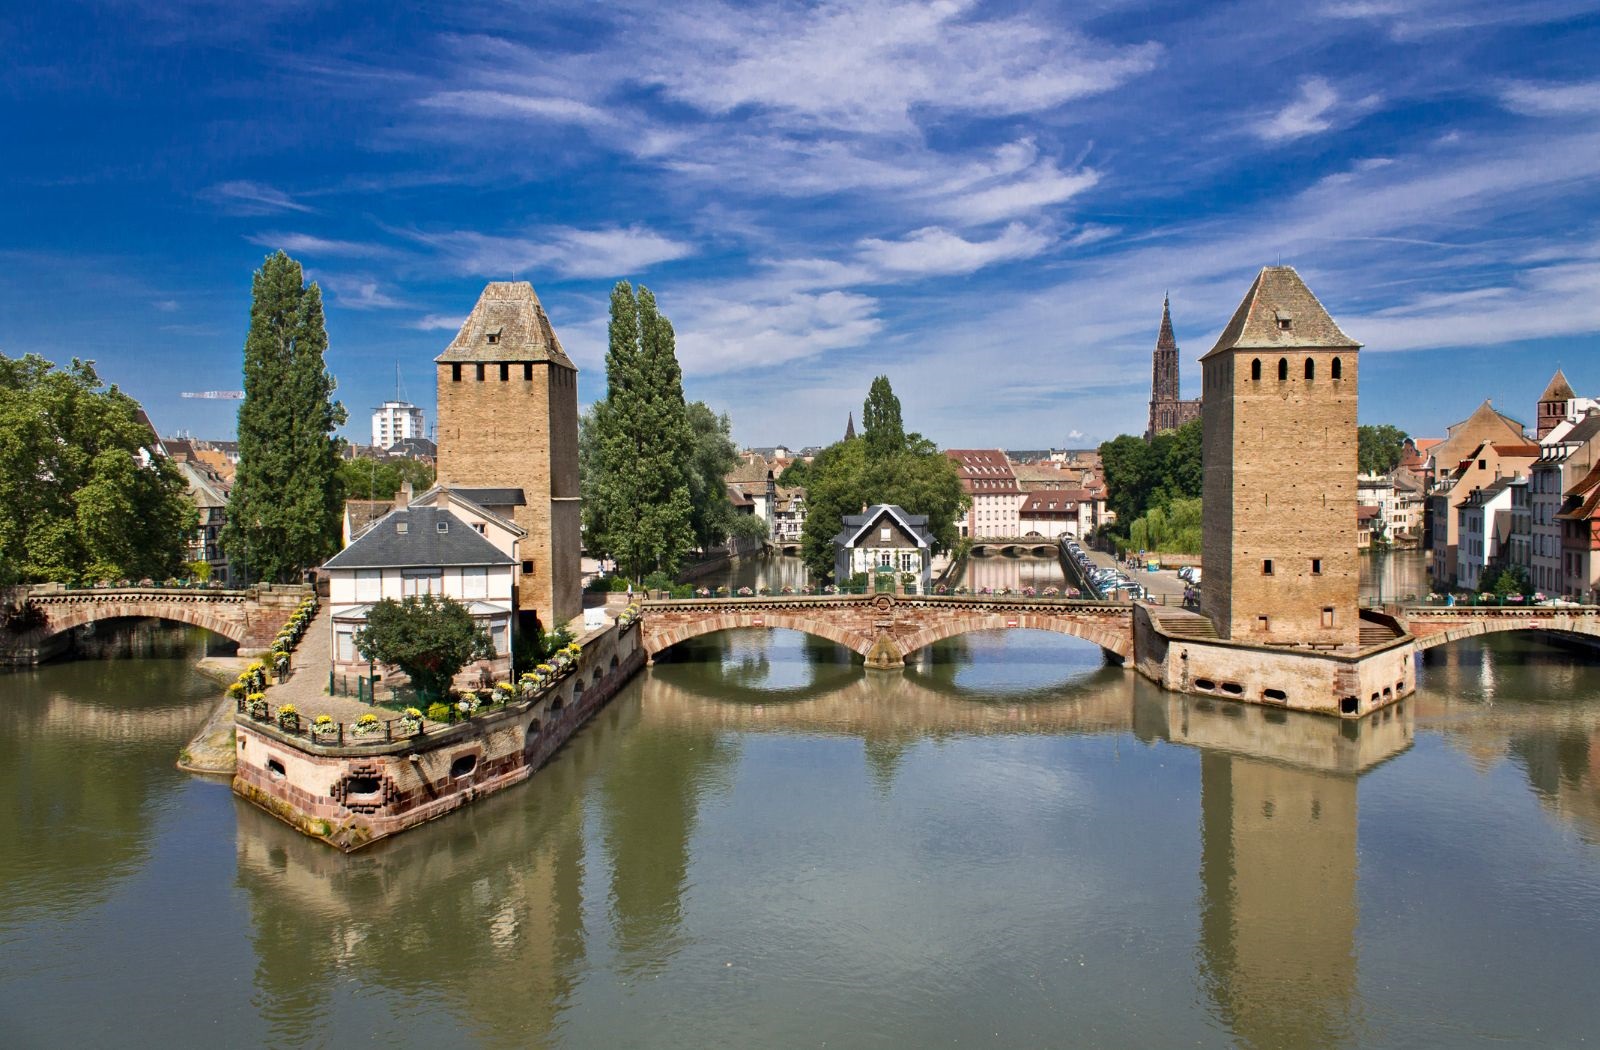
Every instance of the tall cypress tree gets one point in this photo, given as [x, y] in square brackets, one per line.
[283, 513]
[671, 439]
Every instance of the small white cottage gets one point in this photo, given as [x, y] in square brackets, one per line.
[884, 539]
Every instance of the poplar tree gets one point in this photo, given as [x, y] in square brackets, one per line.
[638, 441]
[283, 513]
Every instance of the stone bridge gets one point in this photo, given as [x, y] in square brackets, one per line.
[249, 617]
[884, 628]
[1433, 625]
[1036, 544]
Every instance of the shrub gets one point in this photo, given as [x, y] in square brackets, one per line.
[618, 583]
[440, 712]
[658, 581]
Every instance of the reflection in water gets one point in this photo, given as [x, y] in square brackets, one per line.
[764, 844]
[1389, 576]
[771, 571]
[1014, 572]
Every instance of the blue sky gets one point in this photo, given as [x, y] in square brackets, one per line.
[986, 201]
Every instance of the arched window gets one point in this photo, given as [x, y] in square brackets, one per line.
[1311, 369]
[1283, 369]
[1255, 369]
[1336, 368]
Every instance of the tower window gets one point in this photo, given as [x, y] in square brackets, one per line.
[1336, 369]
[1283, 369]
[480, 373]
[1316, 566]
[1266, 567]
[505, 371]
[527, 371]
[1327, 616]
[1263, 624]
[1255, 369]
[455, 373]
[527, 568]
[1311, 369]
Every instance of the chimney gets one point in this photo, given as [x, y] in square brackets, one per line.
[403, 497]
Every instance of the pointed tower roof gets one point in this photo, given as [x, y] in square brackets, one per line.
[1558, 390]
[1280, 312]
[508, 324]
[1165, 341]
[850, 427]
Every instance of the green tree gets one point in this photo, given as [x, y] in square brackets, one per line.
[796, 475]
[429, 637]
[712, 456]
[636, 454]
[1146, 476]
[76, 471]
[1378, 448]
[283, 513]
[364, 478]
[884, 465]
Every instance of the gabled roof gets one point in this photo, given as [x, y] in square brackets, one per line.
[751, 470]
[420, 544]
[1279, 295]
[492, 497]
[915, 525]
[1558, 390]
[507, 324]
[431, 497]
[361, 513]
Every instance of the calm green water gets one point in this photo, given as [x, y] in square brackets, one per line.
[758, 845]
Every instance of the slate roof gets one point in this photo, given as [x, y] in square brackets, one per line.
[492, 497]
[363, 512]
[507, 324]
[1279, 294]
[1559, 389]
[856, 524]
[421, 544]
[430, 498]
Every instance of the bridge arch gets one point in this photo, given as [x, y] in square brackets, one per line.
[1476, 627]
[656, 642]
[65, 617]
[1112, 637]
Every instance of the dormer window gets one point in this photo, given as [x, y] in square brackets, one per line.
[492, 336]
[1285, 321]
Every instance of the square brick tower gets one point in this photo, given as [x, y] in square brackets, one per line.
[1279, 423]
[508, 419]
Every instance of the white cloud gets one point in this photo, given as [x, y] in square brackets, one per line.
[479, 103]
[1581, 98]
[242, 197]
[438, 322]
[617, 252]
[935, 250]
[1306, 115]
[360, 292]
[717, 334]
[166, 306]
[310, 244]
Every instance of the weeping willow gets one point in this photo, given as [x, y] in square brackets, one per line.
[1173, 528]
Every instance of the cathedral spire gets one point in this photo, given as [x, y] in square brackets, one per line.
[1165, 340]
[850, 427]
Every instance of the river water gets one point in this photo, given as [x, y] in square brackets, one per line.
[758, 844]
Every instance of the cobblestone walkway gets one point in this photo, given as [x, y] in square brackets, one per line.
[307, 687]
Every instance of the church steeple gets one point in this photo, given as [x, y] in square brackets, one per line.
[850, 427]
[1165, 340]
[1167, 411]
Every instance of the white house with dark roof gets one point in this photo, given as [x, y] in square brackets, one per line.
[440, 543]
[884, 539]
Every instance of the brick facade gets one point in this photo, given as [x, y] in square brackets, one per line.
[508, 416]
[1280, 471]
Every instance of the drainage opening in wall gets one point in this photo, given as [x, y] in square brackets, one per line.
[463, 765]
[1348, 705]
[1277, 695]
[275, 769]
[1233, 688]
[1204, 683]
[357, 787]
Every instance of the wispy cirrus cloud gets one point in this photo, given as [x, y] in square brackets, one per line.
[1572, 99]
[1317, 107]
[360, 292]
[310, 244]
[438, 322]
[246, 198]
[613, 251]
[935, 250]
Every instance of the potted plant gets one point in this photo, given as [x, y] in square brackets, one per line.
[257, 703]
[289, 719]
[367, 725]
[505, 692]
[323, 725]
[411, 721]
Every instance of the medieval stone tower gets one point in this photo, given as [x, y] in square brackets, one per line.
[1167, 410]
[508, 420]
[1279, 420]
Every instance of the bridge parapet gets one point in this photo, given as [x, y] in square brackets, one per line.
[250, 617]
[1433, 625]
[885, 628]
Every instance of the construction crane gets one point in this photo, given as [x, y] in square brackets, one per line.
[215, 395]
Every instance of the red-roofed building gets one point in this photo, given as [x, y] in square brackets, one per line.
[1580, 537]
[987, 477]
[1053, 514]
